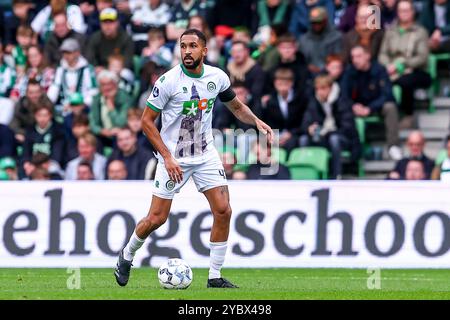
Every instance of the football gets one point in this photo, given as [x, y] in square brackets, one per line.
[175, 274]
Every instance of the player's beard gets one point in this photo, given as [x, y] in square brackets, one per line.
[194, 65]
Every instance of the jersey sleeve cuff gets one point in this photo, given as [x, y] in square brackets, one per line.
[151, 106]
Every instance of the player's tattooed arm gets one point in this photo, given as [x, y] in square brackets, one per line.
[244, 114]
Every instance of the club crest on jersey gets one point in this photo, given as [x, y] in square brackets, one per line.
[211, 86]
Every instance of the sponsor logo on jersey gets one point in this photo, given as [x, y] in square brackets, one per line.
[190, 108]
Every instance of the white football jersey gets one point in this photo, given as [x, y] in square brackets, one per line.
[185, 101]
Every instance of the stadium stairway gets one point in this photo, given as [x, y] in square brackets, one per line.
[435, 127]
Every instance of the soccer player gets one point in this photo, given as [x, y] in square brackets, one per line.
[185, 97]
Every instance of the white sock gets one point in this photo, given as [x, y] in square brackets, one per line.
[217, 258]
[133, 245]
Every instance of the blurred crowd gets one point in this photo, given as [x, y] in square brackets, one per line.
[75, 75]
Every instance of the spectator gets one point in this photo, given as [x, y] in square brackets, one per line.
[153, 14]
[46, 136]
[320, 41]
[73, 75]
[84, 171]
[435, 17]
[266, 167]
[134, 122]
[24, 109]
[42, 161]
[109, 108]
[8, 165]
[76, 108]
[110, 39]
[442, 171]
[117, 170]
[300, 20]
[363, 34]
[60, 33]
[7, 142]
[93, 18]
[335, 67]
[7, 80]
[44, 22]
[404, 53]
[388, 13]
[414, 170]
[156, 50]
[22, 14]
[348, 19]
[328, 122]
[284, 110]
[416, 145]
[290, 58]
[268, 13]
[268, 55]
[366, 84]
[38, 69]
[231, 13]
[223, 119]
[17, 54]
[39, 174]
[80, 126]
[150, 73]
[139, 162]
[244, 68]
[87, 146]
[116, 64]
[180, 17]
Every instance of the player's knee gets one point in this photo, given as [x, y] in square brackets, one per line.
[155, 221]
[223, 213]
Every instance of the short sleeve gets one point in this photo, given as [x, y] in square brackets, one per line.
[159, 96]
[225, 82]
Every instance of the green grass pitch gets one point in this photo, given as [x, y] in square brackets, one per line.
[254, 284]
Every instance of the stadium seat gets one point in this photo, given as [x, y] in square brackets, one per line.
[3, 175]
[313, 157]
[441, 156]
[433, 60]
[280, 154]
[304, 172]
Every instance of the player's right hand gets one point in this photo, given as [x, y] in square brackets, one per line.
[173, 169]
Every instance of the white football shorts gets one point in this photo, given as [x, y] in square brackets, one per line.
[206, 175]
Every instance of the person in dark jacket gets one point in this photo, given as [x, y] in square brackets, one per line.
[110, 39]
[46, 136]
[55, 39]
[7, 142]
[435, 17]
[367, 85]
[284, 110]
[329, 122]
[137, 159]
[416, 145]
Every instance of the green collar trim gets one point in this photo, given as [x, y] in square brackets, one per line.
[190, 74]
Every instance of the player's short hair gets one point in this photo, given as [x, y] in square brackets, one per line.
[89, 138]
[323, 80]
[196, 32]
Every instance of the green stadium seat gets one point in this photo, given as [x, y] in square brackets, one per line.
[3, 175]
[441, 156]
[304, 172]
[433, 60]
[313, 157]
